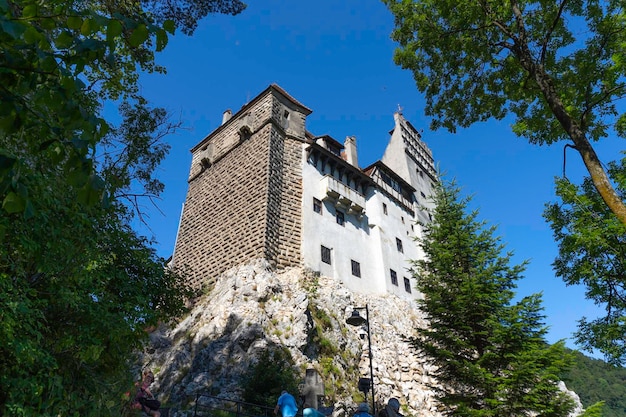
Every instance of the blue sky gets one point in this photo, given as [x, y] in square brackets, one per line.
[336, 58]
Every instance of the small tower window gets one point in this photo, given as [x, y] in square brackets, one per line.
[286, 119]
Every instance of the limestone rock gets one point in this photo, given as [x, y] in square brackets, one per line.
[251, 308]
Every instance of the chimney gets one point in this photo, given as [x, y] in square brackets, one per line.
[226, 116]
[350, 151]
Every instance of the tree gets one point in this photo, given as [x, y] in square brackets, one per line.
[78, 287]
[592, 251]
[489, 354]
[274, 372]
[60, 60]
[557, 66]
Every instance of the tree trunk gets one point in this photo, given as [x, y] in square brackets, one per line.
[598, 175]
[588, 154]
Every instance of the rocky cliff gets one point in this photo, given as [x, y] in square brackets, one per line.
[251, 308]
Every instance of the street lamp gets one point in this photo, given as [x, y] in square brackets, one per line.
[357, 320]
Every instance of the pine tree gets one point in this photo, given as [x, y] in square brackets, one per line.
[489, 353]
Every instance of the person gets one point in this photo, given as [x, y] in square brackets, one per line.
[309, 411]
[392, 409]
[363, 410]
[144, 399]
[286, 404]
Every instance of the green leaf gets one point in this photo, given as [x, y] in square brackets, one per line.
[139, 36]
[48, 64]
[74, 22]
[64, 40]
[13, 203]
[32, 36]
[161, 39]
[12, 28]
[169, 26]
[47, 23]
[114, 29]
[89, 27]
[29, 11]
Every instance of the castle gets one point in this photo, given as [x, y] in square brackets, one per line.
[262, 186]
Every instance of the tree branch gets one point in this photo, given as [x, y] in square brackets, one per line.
[550, 31]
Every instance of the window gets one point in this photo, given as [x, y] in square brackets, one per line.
[333, 149]
[325, 255]
[356, 269]
[384, 208]
[317, 205]
[286, 119]
[422, 194]
[399, 245]
[402, 219]
[391, 182]
[340, 218]
[407, 285]
[394, 277]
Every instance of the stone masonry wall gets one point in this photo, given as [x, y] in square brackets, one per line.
[224, 216]
[285, 186]
[284, 202]
[245, 192]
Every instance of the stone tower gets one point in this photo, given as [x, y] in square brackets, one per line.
[245, 189]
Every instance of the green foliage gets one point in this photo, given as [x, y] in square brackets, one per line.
[592, 252]
[480, 60]
[558, 69]
[489, 353]
[323, 322]
[77, 285]
[273, 372]
[77, 288]
[595, 410]
[599, 385]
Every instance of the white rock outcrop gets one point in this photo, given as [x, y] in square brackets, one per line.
[252, 307]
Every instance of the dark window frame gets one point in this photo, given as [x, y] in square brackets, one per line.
[325, 255]
[399, 245]
[356, 268]
[317, 205]
[340, 217]
[407, 285]
[394, 277]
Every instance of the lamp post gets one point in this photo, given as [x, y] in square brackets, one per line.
[357, 320]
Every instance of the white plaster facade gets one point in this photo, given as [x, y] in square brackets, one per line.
[381, 206]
